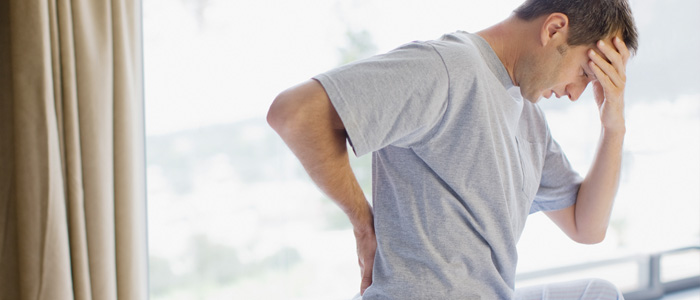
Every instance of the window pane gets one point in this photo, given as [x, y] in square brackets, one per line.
[232, 213]
[680, 265]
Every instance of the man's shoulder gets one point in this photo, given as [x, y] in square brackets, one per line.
[467, 57]
[460, 54]
[459, 43]
[459, 37]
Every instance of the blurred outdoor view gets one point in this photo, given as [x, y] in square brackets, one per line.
[232, 214]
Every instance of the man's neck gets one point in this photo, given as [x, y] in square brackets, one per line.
[507, 39]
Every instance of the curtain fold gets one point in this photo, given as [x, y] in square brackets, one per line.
[72, 179]
[8, 229]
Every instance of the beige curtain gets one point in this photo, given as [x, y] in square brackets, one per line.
[72, 171]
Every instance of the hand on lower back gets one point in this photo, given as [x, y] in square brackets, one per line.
[366, 249]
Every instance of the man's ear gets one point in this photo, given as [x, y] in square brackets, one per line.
[555, 26]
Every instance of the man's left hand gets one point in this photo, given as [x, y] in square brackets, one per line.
[609, 86]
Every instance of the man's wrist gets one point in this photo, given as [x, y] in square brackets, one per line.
[615, 132]
[362, 219]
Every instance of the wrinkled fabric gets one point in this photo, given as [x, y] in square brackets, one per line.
[72, 160]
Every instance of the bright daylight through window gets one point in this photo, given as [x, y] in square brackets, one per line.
[233, 215]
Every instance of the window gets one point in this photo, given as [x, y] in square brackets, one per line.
[232, 213]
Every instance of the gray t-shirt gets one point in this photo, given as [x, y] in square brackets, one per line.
[459, 161]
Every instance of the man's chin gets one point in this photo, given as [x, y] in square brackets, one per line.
[530, 96]
[533, 99]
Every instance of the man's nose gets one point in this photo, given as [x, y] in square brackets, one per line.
[575, 90]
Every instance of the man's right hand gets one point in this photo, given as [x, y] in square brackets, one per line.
[366, 248]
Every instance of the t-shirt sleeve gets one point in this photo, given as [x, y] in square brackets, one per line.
[390, 99]
[559, 183]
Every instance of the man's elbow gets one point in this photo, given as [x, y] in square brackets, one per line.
[274, 114]
[590, 238]
[301, 108]
[281, 113]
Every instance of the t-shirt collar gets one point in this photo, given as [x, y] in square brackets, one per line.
[492, 61]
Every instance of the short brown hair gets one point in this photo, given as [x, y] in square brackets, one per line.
[589, 20]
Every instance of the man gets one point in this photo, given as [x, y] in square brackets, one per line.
[459, 157]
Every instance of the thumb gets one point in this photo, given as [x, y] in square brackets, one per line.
[599, 93]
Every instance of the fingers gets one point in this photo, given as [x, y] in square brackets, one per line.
[604, 71]
[622, 49]
[366, 276]
[608, 64]
[366, 249]
[598, 93]
[618, 55]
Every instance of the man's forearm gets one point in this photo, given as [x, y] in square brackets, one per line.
[307, 122]
[588, 222]
[597, 192]
[325, 158]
